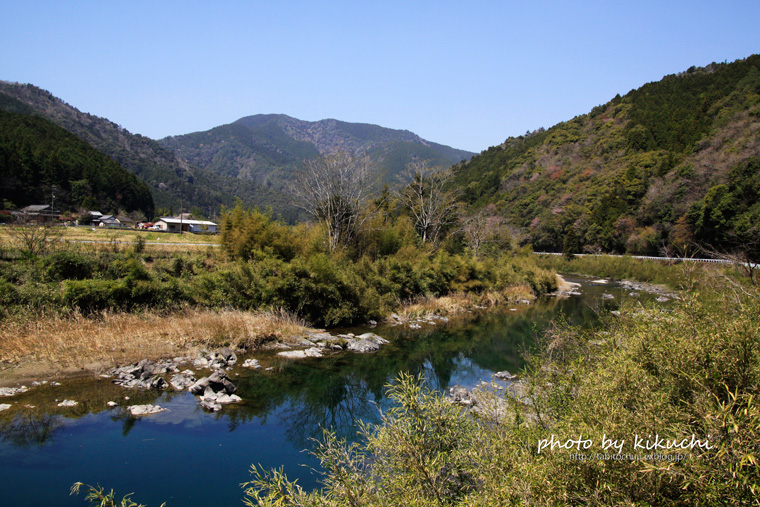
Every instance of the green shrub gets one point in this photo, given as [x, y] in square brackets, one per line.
[8, 294]
[129, 268]
[67, 266]
[245, 232]
[95, 295]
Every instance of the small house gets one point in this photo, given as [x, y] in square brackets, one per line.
[38, 213]
[171, 224]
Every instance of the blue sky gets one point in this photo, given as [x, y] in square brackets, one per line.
[463, 74]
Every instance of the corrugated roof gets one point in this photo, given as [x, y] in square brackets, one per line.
[185, 221]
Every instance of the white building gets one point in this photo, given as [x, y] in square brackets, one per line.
[187, 225]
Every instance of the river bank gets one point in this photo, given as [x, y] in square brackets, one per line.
[55, 347]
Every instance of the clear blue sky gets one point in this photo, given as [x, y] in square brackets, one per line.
[464, 74]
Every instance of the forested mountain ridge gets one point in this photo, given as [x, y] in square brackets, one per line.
[37, 157]
[171, 179]
[269, 148]
[670, 164]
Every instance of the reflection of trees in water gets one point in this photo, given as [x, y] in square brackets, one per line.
[339, 391]
[128, 421]
[344, 401]
[30, 429]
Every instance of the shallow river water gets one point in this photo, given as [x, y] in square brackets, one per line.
[187, 457]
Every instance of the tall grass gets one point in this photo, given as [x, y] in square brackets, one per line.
[111, 338]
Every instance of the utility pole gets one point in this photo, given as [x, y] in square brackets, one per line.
[181, 203]
[52, 204]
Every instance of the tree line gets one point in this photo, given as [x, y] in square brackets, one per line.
[36, 155]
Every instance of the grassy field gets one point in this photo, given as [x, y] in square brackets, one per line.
[108, 235]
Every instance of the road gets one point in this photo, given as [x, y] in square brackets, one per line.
[687, 259]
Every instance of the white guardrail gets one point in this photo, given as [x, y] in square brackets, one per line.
[690, 259]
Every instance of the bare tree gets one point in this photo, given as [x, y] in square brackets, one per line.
[476, 230]
[30, 237]
[429, 201]
[334, 189]
[745, 253]
[484, 228]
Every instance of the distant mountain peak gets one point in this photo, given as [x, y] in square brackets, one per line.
[269, 148]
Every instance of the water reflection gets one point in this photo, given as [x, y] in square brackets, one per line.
[30, 429]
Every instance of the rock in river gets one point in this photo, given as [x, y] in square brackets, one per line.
[12, 391]
[504, 375]
[252, 364]
[367, 342]
[139, 410]
[182, 381]
[461, 396]
[301, 354]
[215, 391]
[142, 375]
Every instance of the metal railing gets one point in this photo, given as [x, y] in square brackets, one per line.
[650, 257]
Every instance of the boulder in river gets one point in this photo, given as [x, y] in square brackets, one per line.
[252, 364]
[12, 391]
[140, 410]
[367, 342]
[301, 354]
[217, 360]
[219, 381]
[199, 386]
[182, 381]
[143, 375]
[461, 396]
[215, 391]
[214, 401]
[504, 375]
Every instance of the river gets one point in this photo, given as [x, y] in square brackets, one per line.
[187, 457]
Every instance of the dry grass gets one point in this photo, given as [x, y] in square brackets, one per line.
[563, 285]
[116, 338]
[99, 239]
[457, 303]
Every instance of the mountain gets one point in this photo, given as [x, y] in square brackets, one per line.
[268, 149]
[672, 163]
[36, 155]
[172, 181]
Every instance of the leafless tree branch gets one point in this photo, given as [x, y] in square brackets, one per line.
[429, 201]
[334, 189]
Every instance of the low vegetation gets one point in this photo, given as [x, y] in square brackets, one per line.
[674, 274]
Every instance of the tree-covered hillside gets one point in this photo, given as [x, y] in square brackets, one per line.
[36, 155]
[270, 148]
[173, 182]
[673, 164]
